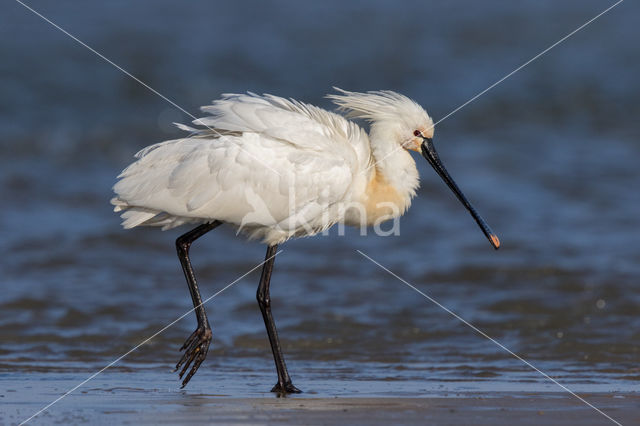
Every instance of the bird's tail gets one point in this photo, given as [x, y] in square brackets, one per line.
[133, 216]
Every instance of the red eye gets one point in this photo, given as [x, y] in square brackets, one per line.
[417, 133]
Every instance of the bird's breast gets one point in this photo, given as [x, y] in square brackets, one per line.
[380, 201]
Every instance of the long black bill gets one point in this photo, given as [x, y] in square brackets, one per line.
[429, 152]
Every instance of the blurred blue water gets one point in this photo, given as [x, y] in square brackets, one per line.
[549, 157]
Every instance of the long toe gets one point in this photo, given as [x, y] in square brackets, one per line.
[285, 388]
[198, 361]
[197, 346]
[191, 339]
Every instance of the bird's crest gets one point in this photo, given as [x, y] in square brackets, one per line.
[380, 105]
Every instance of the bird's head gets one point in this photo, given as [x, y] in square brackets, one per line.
[396, 118]
[403, 122]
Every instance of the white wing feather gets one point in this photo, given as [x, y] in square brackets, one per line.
[280, 169]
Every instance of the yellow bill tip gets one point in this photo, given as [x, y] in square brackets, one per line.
[495, 241]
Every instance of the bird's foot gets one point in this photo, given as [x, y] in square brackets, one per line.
[285, 388]
[195, 351]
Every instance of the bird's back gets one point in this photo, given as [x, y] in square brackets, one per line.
[273, 167]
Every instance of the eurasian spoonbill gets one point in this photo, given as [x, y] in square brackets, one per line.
[277, 168]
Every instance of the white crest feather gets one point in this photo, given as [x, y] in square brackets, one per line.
[379, 105]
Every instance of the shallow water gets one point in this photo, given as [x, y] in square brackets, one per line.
[549, 158]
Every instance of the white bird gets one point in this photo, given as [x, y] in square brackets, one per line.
[278, 168]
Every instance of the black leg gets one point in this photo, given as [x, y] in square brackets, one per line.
[284, 384]
[197, 345]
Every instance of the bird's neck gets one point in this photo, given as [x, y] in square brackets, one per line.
[392, 180]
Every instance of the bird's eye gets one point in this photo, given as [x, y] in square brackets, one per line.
[417, 133]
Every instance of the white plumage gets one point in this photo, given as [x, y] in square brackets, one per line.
[275, 169]
[278, 168]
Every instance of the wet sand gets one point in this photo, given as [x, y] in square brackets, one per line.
[490, 409]
[152, 397]
[522, 409]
